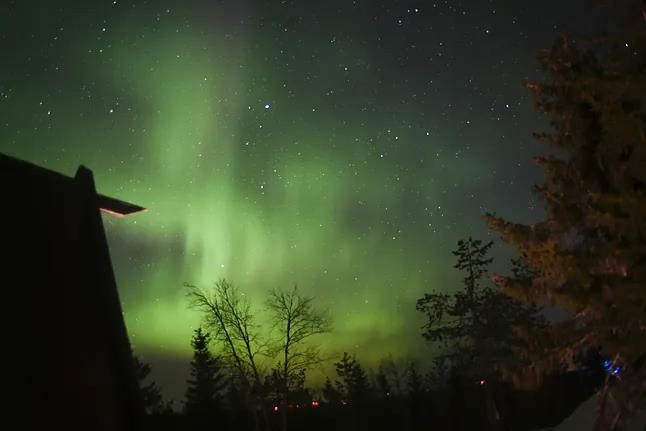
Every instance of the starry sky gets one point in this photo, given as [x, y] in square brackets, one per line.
[344, 146]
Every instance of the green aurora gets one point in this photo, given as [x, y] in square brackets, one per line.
[273, 155]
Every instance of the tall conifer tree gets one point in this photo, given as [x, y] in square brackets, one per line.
[203, 395]
[589, 254]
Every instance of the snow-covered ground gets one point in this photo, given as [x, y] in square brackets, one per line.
[582, 419]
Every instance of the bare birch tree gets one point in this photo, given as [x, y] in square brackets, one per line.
[229, 317]
[295, 316]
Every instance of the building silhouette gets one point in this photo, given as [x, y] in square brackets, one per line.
[70, 357]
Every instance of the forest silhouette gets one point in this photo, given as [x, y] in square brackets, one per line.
[464, 389]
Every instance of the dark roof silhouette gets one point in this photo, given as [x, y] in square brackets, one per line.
[72, 362]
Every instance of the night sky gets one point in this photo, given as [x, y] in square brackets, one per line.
[341, 145]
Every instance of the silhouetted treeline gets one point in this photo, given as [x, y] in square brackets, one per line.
[466, 389]
[351, 400]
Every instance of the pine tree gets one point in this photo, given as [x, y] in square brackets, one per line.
[331, 394]
[589, 255]
[150, 394]
[353, 382]
[203, 395]
[475, 324]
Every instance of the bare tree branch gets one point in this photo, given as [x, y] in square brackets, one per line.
[297, 320]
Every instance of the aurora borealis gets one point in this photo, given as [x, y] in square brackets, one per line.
[344, 146]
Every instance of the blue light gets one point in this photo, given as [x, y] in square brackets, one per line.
[612, 367]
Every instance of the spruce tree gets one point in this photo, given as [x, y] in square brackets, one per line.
[589, 254]
[150, 394]
[331, 394]
[353, 382]
[475, 324]
[203, 395]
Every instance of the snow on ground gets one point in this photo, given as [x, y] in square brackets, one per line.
[583, 419]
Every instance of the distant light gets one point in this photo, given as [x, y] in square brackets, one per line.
[267, 106]
[482, 382]
[387, 394]
[315, 403]
[275, 408]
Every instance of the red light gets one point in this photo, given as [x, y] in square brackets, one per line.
[482, 382]
[315, 403]
[275, 408]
